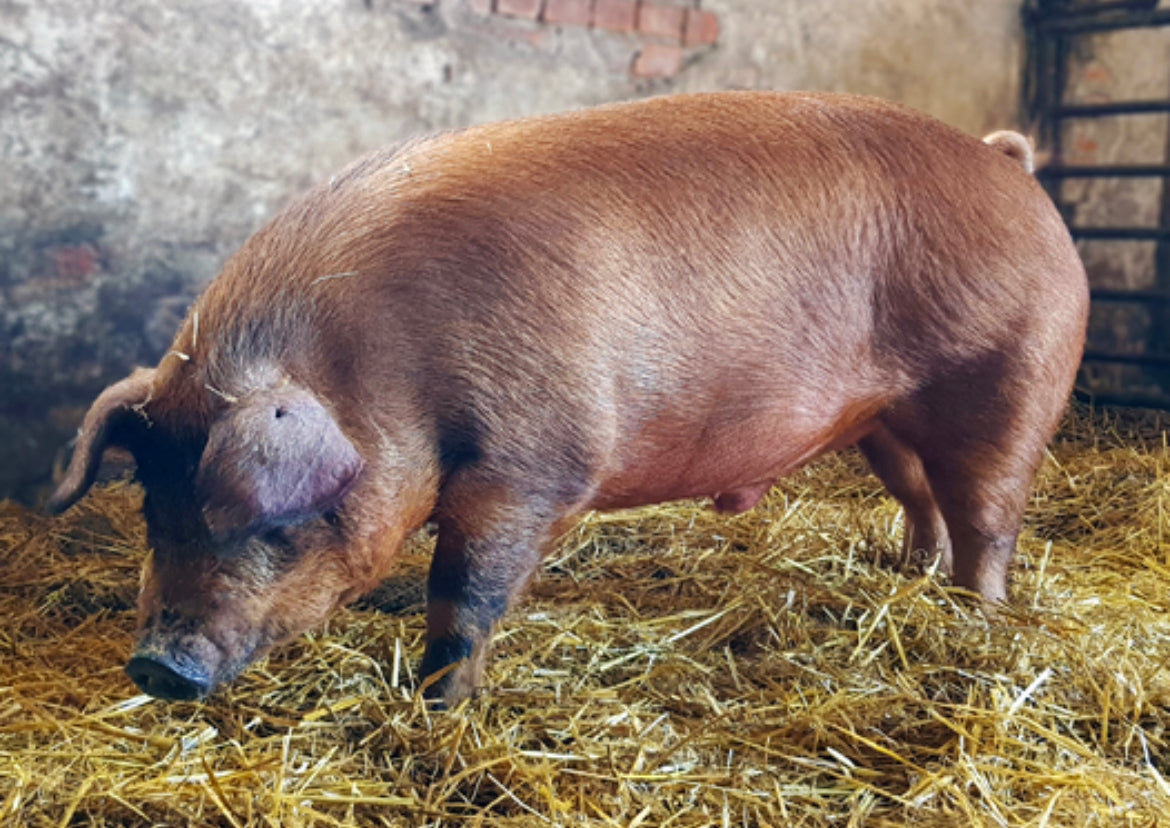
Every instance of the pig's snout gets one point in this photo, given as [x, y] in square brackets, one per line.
[161, 677]
[173, 671]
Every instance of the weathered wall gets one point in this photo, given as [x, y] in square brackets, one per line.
[142, 141]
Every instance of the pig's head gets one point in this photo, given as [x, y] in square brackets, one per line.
[245, 505]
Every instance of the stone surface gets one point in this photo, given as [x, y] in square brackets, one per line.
[142, 142]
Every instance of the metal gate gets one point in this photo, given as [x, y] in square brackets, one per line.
[1131, 369]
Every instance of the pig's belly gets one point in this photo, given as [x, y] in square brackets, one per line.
[735, 465]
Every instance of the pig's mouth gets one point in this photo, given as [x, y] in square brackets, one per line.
[183, 668]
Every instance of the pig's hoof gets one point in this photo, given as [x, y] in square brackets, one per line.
[451, 668]
[445, 689]
[449, 691]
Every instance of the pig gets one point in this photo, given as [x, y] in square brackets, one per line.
[497, 329]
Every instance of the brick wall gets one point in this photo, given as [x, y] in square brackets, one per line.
[667, 33]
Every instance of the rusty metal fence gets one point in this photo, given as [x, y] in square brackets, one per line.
[1138, 373]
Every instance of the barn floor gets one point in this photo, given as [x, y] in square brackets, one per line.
[671, 667]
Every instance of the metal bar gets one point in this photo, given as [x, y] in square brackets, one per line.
[1120, 233]
[1157, 360]
[1053, 78]
[1111, 171]
[1060, 55]
[1103, 110]
[1133, 400]
[1084, 24]
[1137, 297]
[1159, 336]
[1074, 10]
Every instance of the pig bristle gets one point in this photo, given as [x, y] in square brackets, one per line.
[670, 666]
[329, 276]
[223, 395]
[139, 408]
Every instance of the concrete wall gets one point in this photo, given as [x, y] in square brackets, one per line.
[142, 141]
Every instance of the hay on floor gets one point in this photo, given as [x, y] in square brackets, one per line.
[670, 667]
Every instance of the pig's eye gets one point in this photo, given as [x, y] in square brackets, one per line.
[332, 518]
[280, 412]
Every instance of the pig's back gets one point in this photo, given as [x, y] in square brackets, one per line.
[727, 212]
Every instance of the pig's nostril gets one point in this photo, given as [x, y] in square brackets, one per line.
[160, 678]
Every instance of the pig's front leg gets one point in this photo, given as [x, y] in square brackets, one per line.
[489, 544]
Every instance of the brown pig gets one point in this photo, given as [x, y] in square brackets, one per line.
[500, 328]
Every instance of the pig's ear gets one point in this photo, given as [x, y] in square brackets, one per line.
[274, 459]
[103, 426]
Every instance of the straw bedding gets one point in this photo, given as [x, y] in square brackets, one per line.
[671, 666]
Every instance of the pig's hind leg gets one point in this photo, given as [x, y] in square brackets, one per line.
[900, 470]
[981, 438]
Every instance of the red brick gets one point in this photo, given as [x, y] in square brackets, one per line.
[568, 12]
[1096, 73]
[74, 264]
[481, 6]
[658, 60]
[701, 29]
[615, 15]
[528, 9]
[656, 20]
